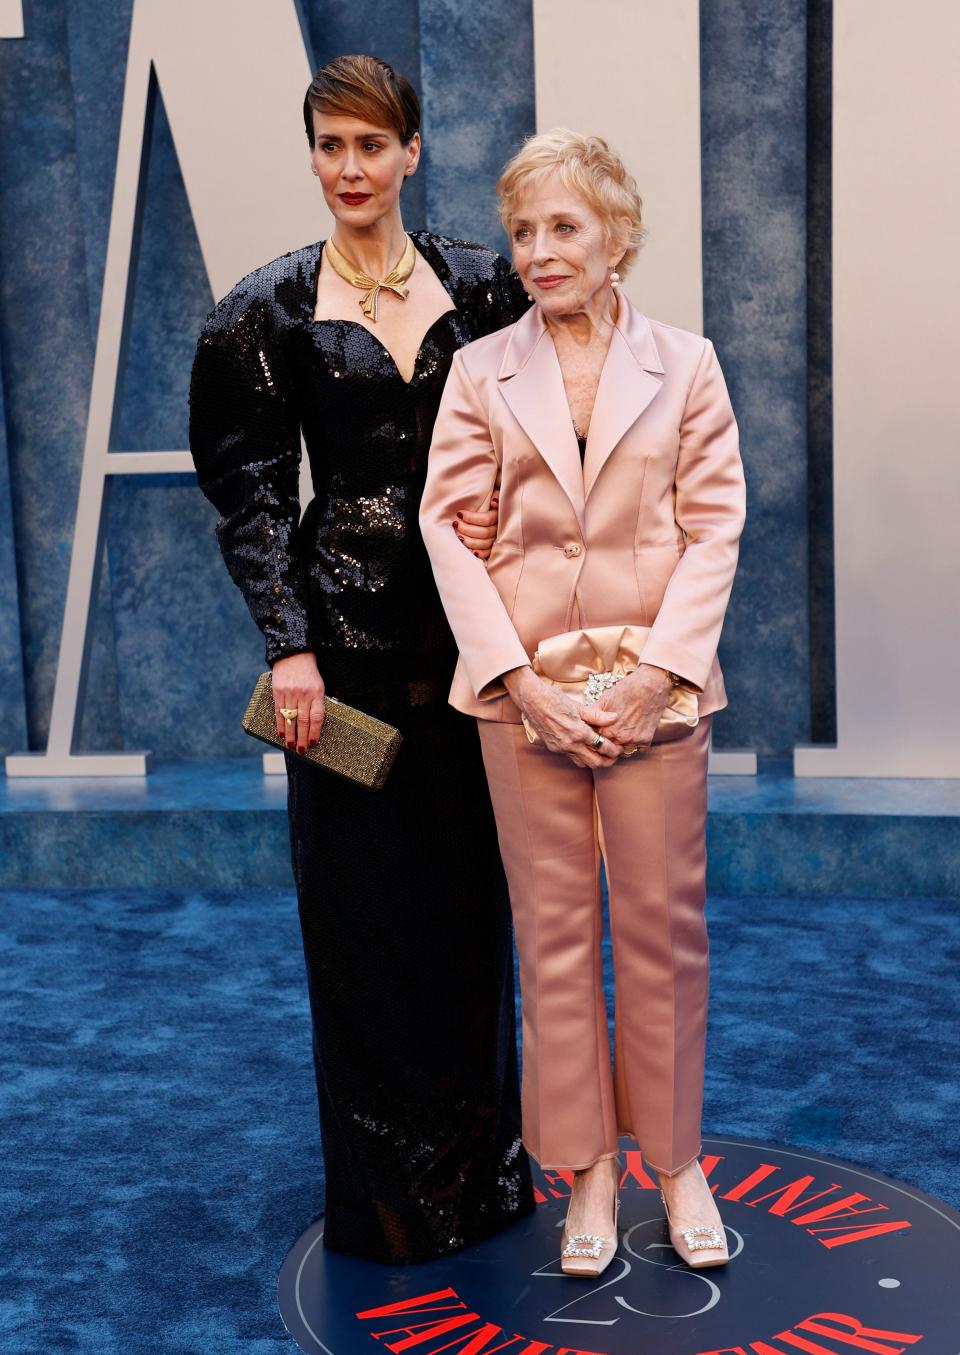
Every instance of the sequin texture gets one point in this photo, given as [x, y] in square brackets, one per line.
[402, 902]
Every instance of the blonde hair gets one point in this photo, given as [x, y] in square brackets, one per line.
[586, 166]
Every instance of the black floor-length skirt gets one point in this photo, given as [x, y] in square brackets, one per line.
[407, 938]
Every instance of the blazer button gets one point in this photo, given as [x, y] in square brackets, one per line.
[572, 550]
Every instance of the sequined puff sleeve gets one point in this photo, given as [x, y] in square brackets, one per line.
[510, 298]
[245, 442]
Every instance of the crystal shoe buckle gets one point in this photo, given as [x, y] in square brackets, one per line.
[703, 1238]
[577, 1246]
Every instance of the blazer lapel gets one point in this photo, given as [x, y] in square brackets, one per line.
[532, 385]
[632, 375]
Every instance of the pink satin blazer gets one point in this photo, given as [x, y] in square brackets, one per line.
[645, 532]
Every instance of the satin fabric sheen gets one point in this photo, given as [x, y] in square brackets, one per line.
[575, 1101]
[644, 533]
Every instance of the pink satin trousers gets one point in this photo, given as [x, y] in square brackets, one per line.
[653, 809]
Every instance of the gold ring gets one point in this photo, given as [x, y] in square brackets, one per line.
[289, 714]
[629, 752]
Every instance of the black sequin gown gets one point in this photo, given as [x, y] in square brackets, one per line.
[403, 904]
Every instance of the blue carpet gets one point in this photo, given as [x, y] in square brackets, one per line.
[159, 1133]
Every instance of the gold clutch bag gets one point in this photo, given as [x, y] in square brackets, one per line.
[352, 744]
[586, 663]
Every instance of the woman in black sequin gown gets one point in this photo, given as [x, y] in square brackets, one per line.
[402, 900]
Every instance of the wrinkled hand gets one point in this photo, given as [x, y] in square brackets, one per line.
[561, 721]
[478, 531]
[637, 702]
[297, 685]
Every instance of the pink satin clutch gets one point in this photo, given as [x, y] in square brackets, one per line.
[585, 663]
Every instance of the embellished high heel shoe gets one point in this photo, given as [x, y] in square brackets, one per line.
[587, 1255]
[690, 1243]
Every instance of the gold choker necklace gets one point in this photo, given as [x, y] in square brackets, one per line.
[372, 287]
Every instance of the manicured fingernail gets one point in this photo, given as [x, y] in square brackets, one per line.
[459, 515]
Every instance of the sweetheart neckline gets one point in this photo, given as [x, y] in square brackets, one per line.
[357, 324]
[334, 320]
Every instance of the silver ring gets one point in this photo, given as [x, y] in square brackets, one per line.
[598, 741]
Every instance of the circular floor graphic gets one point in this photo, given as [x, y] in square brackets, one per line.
[826, 1259]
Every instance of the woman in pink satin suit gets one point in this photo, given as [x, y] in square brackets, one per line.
[621, 504]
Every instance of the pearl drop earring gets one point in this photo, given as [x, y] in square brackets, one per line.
[614, 279]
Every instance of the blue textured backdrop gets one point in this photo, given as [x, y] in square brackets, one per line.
[169, 625]
[753, 97]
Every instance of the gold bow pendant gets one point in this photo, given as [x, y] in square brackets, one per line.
[372, 287]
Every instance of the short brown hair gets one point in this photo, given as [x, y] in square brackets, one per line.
[363, 87]
[587, 166]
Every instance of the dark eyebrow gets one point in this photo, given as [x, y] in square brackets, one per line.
[361, 136]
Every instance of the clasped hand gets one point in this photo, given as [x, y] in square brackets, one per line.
[637, 702]
[626, 716]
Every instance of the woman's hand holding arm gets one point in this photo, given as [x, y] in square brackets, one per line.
[462, 474]
[297, 685]
[478, 531]
[637, 704]
[561, 721]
